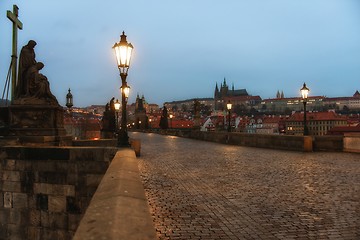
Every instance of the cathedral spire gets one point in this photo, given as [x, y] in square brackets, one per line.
[224, 82]
[216, 94]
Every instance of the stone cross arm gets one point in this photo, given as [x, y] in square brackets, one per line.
[14, 17]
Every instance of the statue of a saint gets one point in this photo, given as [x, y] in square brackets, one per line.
[26, 60]
[32, 86]
[38, 85]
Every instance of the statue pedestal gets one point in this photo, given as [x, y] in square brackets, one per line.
[107, 134]
[35, 125]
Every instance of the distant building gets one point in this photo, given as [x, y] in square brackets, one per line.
[95, 109]
[180, 123]
[343, 103]
[239, 97]
[82, 125]
[272, 125]
[318, 123]
[188, 105]
[289, 105]
[280, 104]
[341, 130]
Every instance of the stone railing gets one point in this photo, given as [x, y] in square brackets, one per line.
[350, 142]
[119, 208]
[284, 142]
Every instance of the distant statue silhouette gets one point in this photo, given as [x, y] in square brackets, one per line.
[109, 118]
[112, 117]
[164, 119]
[26, 60]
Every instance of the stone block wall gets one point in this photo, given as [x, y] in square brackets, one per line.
[46, 190]
[329, 143]
[352, 142]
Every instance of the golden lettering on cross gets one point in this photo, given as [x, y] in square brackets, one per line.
[13, 16]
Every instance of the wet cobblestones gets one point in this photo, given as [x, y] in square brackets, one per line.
[203, 190]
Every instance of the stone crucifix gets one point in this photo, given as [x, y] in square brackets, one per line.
[13, 16]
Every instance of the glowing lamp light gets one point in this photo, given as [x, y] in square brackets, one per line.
[117, 105]
[126, 91]
[229, 105]
[304, 91]
[123, 51]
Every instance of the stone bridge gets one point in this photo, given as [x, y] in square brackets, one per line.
[179, 189]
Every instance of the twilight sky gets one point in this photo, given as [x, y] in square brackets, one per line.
[183, 48]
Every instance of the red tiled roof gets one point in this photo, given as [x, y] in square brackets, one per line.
[344, 129]
[181, 123]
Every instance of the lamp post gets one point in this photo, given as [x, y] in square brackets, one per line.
[123, 51]
[171, 116]
[69, 99]
[229, 106]
[304, 94]
[117, 109]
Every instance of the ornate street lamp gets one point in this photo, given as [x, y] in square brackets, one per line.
[123, 51]
[69, 99]
[304, 94]
[229, 106]
[117, 109]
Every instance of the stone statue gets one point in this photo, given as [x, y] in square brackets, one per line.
[38, 85]
[105, 118]
[112, 117]
[26, 60]
[164, 119]
[32, 86]
[109, 120]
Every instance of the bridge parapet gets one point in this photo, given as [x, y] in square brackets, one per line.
[119, 208]
[350, 142]
[44, 191]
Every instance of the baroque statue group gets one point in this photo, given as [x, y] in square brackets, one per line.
[32, 87]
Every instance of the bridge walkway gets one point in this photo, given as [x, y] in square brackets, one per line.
[204, 190]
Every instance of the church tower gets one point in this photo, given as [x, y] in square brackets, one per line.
[216, 94]
[224, 89]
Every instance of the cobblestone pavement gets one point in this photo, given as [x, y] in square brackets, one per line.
[203, 190]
